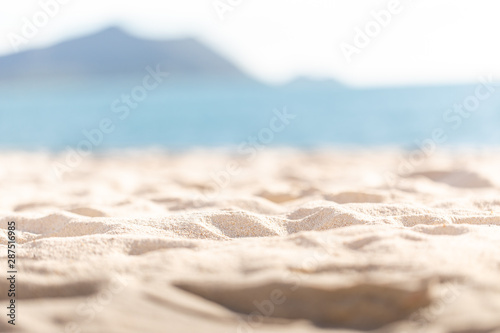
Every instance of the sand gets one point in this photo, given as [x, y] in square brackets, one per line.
[284, 241]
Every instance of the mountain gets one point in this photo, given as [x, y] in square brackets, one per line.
[115, 52]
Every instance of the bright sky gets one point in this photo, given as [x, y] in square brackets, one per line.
[426, 41]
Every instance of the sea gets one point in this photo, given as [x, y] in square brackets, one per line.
[115, 113]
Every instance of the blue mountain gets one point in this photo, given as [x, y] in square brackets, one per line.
[115, 52]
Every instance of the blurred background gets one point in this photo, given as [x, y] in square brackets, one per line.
[352, 73]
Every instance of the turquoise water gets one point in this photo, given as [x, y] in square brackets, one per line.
[178, 115]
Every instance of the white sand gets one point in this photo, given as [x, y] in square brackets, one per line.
[300, 241]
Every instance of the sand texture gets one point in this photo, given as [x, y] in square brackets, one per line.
[283, 241]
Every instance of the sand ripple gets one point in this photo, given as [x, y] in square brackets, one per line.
[297, 241]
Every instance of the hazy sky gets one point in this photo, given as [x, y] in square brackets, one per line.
[423, 41]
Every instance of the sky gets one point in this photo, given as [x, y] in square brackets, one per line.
[358, 42]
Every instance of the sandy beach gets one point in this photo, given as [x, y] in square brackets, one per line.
[281, 241]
